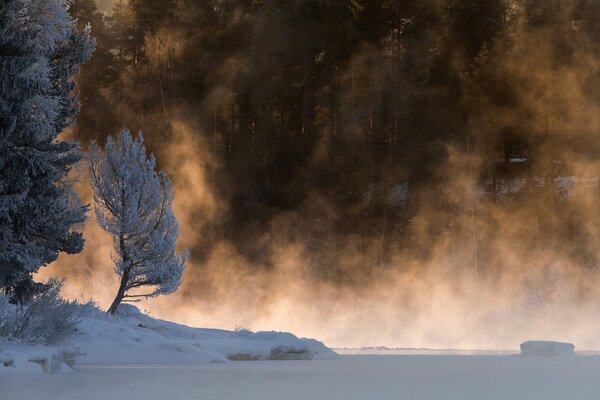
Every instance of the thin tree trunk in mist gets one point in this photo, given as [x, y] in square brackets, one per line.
[550, 195]
[214, 153]
[305, 95]
[371, 133]
[162, 96]
[397, 48]
[375, 172]
[537, 228]
[473, 218]
[336, 106]
[549, 180]
[383, 223]
[352, 111]
[266, 152]
[280, 120]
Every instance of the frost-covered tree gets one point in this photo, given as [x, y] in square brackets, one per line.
[40, 50]
[133, 203]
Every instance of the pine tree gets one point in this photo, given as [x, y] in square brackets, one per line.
[40, 50]
[133, 203]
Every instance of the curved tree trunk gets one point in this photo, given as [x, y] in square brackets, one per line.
[120, 294]
[125, 278]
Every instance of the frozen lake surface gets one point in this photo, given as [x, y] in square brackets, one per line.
[361, 377]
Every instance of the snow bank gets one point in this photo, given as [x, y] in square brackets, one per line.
[18, 358]
[539, 348]
[132, 337]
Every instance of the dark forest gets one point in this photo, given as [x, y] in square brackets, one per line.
[367, 138]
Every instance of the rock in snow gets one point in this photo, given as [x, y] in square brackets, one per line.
[19, 358]
[133, 337]
[540, 348]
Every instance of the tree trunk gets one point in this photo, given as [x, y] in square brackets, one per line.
[473, 216]
[125, 278]
[120, 294]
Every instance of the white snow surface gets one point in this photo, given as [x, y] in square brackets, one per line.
[136, 338]
[34, 359]
[345, 378]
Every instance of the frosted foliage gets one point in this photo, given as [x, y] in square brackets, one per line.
[40, 50]
[133, 202]
[46, 319]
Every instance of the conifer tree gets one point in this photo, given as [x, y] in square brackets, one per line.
[133, 203]
[40, 51]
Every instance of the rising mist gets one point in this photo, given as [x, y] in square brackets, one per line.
[368, 173]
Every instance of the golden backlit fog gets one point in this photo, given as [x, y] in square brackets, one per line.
[476, 268]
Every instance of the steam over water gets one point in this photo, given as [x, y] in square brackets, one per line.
[430, 183]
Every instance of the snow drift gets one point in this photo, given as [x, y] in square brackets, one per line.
[132, 337]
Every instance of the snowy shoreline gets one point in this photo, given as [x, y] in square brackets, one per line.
[133, 337]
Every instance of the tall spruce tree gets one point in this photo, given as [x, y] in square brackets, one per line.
[40, 50]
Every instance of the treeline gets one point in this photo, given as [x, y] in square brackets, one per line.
[386, 126]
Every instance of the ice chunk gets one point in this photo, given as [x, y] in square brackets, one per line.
[540, 348]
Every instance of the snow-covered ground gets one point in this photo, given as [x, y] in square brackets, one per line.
[345, 378]
[133, 337]
[134, 356]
